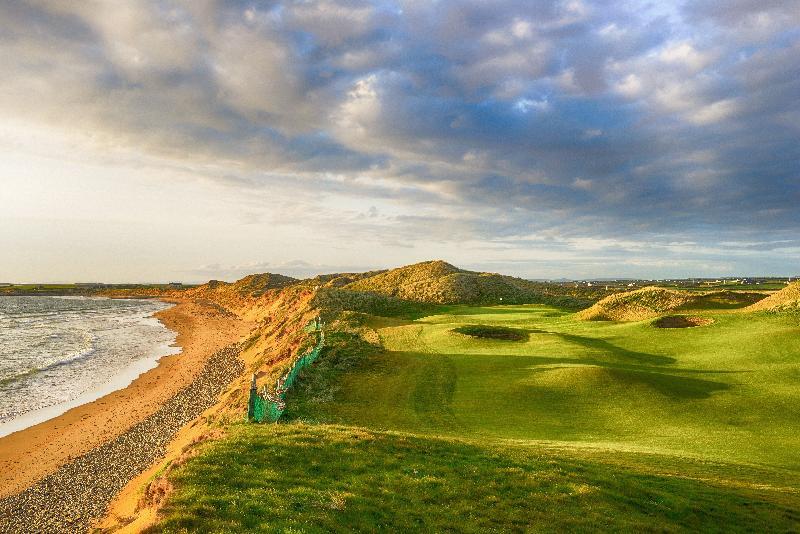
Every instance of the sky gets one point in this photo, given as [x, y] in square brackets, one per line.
[148, 141]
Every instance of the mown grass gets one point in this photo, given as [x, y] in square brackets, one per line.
[405, 424]
[320, 478]
[729, 390]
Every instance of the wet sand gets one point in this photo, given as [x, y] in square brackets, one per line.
[31, 454]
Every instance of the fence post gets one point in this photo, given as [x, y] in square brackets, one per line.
[251, 403]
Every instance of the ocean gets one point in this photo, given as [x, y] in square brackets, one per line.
[60, 352]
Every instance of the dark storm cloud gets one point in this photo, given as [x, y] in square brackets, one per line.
[602, 119]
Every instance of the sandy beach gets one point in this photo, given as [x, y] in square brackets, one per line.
[40, 451]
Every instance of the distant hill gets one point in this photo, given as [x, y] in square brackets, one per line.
[438, 282]
[253, 285]
[338, 279]
[420, 282]
[787, 298]
[637, 305]
[256, 285]
[411, 288]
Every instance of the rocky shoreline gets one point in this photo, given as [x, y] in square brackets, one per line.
[79, 492]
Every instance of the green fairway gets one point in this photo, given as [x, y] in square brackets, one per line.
[728, 391]
[576, 425]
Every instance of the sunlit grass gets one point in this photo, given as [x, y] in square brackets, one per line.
[581, 426]
[729, 390]
[319, 478]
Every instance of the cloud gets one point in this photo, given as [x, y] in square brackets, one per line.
[572, 118]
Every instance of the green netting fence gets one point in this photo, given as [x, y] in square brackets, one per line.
[269, 404]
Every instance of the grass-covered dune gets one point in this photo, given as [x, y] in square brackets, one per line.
[725, 300]
[652, 301]
[250, 287]
[787, 298]
[438, 282]
[406, 424]
[413, 290]
[636, 305]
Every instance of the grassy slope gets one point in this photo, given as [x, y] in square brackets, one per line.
[788, 298]
[646, 428]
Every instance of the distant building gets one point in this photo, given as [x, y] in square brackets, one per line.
[175, 284]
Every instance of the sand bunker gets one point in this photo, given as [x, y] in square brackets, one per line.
[681, 321]
[492, 332]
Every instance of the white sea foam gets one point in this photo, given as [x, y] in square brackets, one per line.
[57, 353]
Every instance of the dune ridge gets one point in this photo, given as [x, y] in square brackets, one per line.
[638, 305]
[786, 299]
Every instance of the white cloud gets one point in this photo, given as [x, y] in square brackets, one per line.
[331, 22]
[257, 74]
[684, 54]
[355, 116]
[630, 86]
[714, 112]
[582, 183]
[527, 105]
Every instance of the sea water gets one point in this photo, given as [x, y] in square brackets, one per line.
[60, 352]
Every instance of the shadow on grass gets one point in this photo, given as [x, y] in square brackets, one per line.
[433, 391]
[667, 381]
[670, 385]
[534, 310]
[608, 349]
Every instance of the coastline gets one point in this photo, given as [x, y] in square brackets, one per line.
[122, 380]
[30, 454]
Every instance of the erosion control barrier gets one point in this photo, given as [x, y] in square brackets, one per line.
[269, 404]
